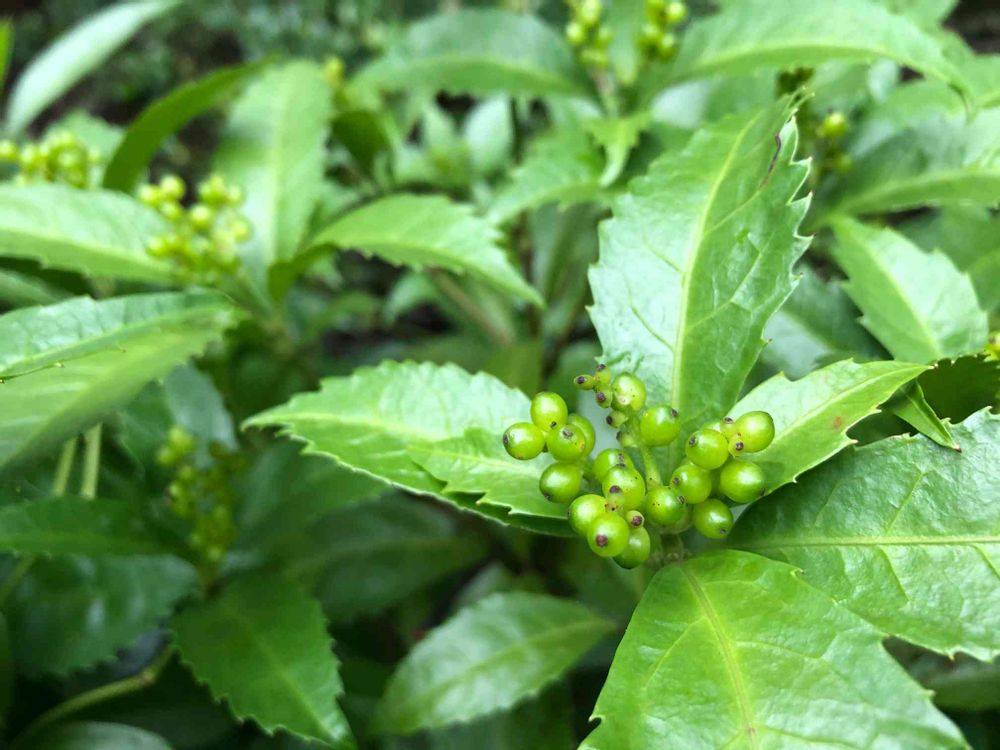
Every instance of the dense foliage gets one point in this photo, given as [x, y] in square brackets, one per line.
[329, 329]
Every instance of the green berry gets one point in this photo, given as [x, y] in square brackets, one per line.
[609, 458]
[548, 410]
[8, 150]
[675, 13]
[741, 481]
[566, 443]
[560, 483]
[634, 518]
[707, 448]
[664, 507]
[589, 12]
[602, 375]
[692, 483]
[683, 525]
[728, 427]
[757, 430]
[603, 398]
[523, 441]
[584, 382]
[608, 535]
[616, 419]
[583, 425]
[604, 37]
[201, 216]
[636, 551]
[736, 445]
[625, 487]
[833, 127]
[628, 392]
[576, 35]
[333, 70]
[666, 46]
[659, 425]
[712, 518]
[173, 187]
[150, 195]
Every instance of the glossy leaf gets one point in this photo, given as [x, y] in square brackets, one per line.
[166, 116]
[697, 257]
[64, 367]
[813, 415]
[890, 528]
[75, 54]
[917, 304]
[70, 613]
[262, 645]
[703, 664]
[480, 51]
[94, 233]
[488, 657]
[93, 735]
[913, 409]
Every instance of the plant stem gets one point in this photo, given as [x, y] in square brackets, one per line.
[468, 306]
[653, 477]
[91, 462]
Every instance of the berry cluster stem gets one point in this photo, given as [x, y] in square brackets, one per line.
[653, 476]
[91, 462]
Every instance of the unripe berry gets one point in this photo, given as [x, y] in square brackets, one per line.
[608, 459]
[150, 195]
[625, 486]
[634, 518]
[659, 425]
[666, 46]
[713, 519]
[692, 483]
[728, 427]
[707, 448]
[741, 481]
[756, 429]
[629, 392]
[576, 35]
[333, 70]
[548, 410]
[608, 535]
[171, 211]
[833, 127]
[589, 12]
[602, 375]
[636, 552]
[603, 399]
[584, 382]
[603, 38]
[616, 419]
[664, 507]
[201, 216]
[585, 428]
[8, 150]
[684, 524]
[523, 441]
[566, 443]
[173, 187]
[560, 482]
[675, 13]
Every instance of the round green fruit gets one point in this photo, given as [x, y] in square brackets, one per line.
[628, 392]
[560, 483]
[607, 459]
[586, 429]
[548, 410]
[566, 443]
[523, 441]
[683, 525]
[664, 507]
[713, 519]
[659, 425]
[637, 549]
[608, 535]
[584, 511]
[691, 483]
[625, 487]
[756, 428]
[708, 449]
[741, 481]
[635, 518]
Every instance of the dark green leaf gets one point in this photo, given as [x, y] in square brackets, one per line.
[94, 735]
[21, 290]
[963, 684]
[957, 388]
[916, 412]
[617, 136]
[6, 671]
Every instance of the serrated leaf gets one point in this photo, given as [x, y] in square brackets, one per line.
[815, 326]
[93, 735]
[888, 530]
[273, 148]
[617, 136]
[487, 658]
[363, 559]
[705, 663]
[75, 54]
[95, 233]
[65, 366]
[166, 116]
[477, 463]
[753, 34]
[69, 525]
[913, 409]
[70, 613]
[917, 304]
[262, 645]
[697, 257]
[562, 167]
[480, 51]
[426, 230]
[813, 415]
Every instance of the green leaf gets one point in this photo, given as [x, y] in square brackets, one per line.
[916, 412]
[75, 54]
[917, 304]
[982, 73]
[262, 645]
[816, 326]
[69, 525]
[6, 43]
[625, 20]
[480, 51]
[697, 257]
[924, 12]
[70, 613]
[813, 415]
[6, 672]
[477, 463]
[22, 290]
[733, 650]
[752, 34]
[91, 232]
[166, 116]
[957, 388]
[94, 735]
[273, 148]
[64, 367]
[488, 657]
[363, 559]
[426, 230]
[903, 532]
[617, 136]
[562, 168]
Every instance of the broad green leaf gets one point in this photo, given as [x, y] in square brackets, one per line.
[731, 650]
[427, 230]
[816, 326]
[955, 388]
[75, 54]
[22, 290]
[362, 559]
[477, 463]
[752, 34]
[913, 409]
[903, 532]
[982, 73]
[70, 613]
[813, 415]
[64, 367]
[562, 167]
[617, 136]
[488, 131]
[262, 645]
[625, 20]
[93, 735]
[488, 657]
[924, 12]
[91, 232]
[166, 116]
[273, 148]
[480, 52]
[69, 525]
[917, 304]
[697, 257]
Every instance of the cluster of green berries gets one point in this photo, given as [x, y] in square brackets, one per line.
[334, 71]
[993, 345]
[822, 136]
[61, 157]
[202, 494]
[202, 245]
[586, 34]
[658, 40]
[613, 518]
